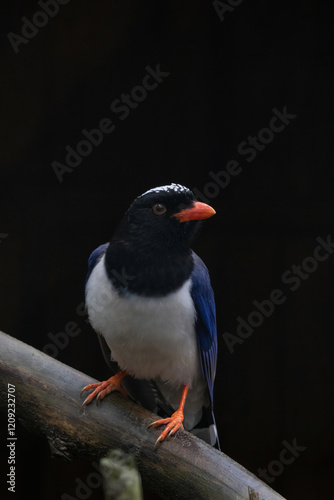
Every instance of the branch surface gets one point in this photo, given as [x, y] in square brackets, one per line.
[48, 403]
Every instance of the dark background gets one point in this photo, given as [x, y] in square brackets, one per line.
[225, 79]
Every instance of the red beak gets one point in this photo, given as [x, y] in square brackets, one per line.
[198, 211]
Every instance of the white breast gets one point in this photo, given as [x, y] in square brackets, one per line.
[148, 337]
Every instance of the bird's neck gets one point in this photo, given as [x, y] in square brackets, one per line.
[150, 271]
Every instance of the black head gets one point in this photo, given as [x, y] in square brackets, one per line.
[152, 242]
[165, 215]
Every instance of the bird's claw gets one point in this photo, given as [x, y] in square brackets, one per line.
[174, 423]
[101, 389]
[90, 386]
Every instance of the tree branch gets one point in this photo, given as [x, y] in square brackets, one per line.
[48, 403]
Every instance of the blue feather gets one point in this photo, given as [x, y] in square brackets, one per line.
[94, 258]
[206, 330]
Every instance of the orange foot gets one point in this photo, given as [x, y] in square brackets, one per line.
[101, 389]
[174, 422]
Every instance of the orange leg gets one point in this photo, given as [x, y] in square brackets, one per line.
[101, 389]
[174, 422]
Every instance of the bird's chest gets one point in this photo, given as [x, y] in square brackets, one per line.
[148, 336]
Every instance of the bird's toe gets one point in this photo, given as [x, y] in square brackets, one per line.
[101, 389]
[174, 423]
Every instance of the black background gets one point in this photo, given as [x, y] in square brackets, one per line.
[225, 78]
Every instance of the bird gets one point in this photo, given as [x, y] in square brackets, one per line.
[149, 298]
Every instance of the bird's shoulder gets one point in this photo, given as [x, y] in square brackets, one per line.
[202, 292]
[95, 257]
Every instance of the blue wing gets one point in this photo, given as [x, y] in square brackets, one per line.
[202, 295]
[94, 258]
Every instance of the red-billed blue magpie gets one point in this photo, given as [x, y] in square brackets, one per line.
[149, 297]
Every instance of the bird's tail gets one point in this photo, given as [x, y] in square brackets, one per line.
[206, 428]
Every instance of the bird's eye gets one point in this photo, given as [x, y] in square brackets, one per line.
[159, 208]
